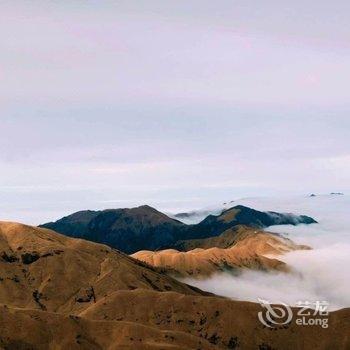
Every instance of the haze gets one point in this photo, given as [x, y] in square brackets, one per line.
[177, 104]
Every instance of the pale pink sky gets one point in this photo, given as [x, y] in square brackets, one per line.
[178, 104]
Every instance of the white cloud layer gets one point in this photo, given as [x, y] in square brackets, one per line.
[319, 274]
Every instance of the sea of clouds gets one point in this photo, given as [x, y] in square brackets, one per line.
[320, 274]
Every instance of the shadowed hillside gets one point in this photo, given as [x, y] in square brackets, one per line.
[131, 230]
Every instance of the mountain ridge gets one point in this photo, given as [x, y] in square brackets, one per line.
[58, 292]
[232, 252]
[146, 228]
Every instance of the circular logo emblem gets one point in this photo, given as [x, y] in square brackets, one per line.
[273, 315]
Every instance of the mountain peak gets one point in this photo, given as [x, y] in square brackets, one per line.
[146, 228]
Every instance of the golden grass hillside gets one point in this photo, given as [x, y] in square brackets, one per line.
[233, 250]
[64, 293]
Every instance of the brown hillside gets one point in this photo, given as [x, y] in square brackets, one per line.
[232, 250]
[225, 240]
[63, 293]
[41, 269]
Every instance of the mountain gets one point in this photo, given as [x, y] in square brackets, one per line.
[234, 250]
[58, 292]
[126, 229]
[131, 230]
[45, 270]
[225, 240]
[213, 225]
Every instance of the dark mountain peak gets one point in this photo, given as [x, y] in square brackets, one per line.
[229, 215]
[82, 215]
[214, 225]
[128, 229]
[240, 207]
[147, 210]
[147, 207]
[144, 227]
[140, 210]
[140, 218]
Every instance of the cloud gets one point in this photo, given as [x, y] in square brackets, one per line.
[319, 274]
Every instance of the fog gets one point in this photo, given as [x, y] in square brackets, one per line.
[320, 274]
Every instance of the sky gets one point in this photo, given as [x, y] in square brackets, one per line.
[177, 104]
